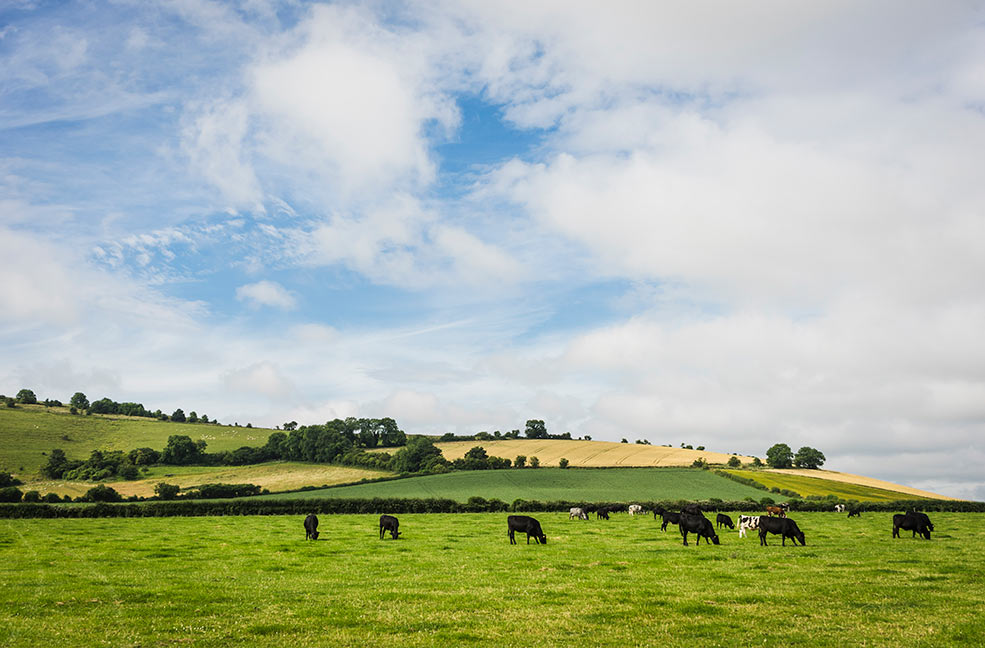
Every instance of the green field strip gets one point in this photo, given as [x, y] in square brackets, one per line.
[545, 484]
[807, 486]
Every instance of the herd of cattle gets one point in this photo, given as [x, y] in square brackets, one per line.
[690, 519]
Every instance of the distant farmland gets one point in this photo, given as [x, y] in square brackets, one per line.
[596, 485]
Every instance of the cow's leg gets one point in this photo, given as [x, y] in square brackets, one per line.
[512, 538]
[762, 538]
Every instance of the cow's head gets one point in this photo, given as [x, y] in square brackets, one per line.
[543, 539]
[714, 539]
[800, 536]
[394, 533]
[314, 535]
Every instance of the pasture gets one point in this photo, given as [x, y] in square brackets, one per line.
[453, 579]
[546, 484]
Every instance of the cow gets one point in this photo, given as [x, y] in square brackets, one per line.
[746, 523]
[668, 518]
[525, 524]
[602, 513]
[577, 513]
[311, 527]
[855, 512]
[776, 510]
[839, 508]
[635, 509]
[912, 521]
[698, 525]
[723, 520]
[389, 523]
[783, 526]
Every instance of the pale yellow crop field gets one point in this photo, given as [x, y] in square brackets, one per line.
[587, 454]
[277, 476]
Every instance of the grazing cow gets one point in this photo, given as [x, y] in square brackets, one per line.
[389, 523]
[525, 524]
[723, 520]
[912, 521]
[698, 525]
[839, 508]
[635, 509]
[855, 512]
[311, 527]
[746, 523]
[668, 518]
[775, 510]
[602, 513]
[577, 513]
[784, 526]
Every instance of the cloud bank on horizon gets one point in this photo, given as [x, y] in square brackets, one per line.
[721, 225]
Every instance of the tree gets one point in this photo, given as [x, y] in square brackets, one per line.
[79, 401]
[192, 417]
[178, 416]
[520, 461]
[756, 462]
[536, 429]
[563, 463]
[734, 462]
[27, 397]
[779, 456]
[293, 425]
[534, 462]
[808, 457]
[181, 450]
[10, 494]
[102, 493]
[476, 459]
[418, 455]
[166, 491]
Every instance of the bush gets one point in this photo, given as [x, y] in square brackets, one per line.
[32, 496]
[563, 463]
[166, 491]
[734, 462]
[6, 479]
[10, 494]
[534, 462]
[101, 493]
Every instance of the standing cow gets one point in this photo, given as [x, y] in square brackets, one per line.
[602, 513]
[389, 523]
[783, 526]
[577, 513]
[912, 521]
[699, 525]
[839, 508]
[747, 523]
[311, 527]
[635, 509]
[525, 524]
[667, 517]
[723, 520]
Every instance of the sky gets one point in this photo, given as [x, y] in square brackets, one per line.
[720, 224]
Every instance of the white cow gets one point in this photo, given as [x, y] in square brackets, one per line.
[839, 508]
[746, 523]
[635, 509]
[577, 513]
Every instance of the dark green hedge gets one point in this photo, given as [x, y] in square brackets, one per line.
[251, 506]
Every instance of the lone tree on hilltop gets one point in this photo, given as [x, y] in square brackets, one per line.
[79, 401]
[27, 397]
[536, 429]
[780, 456]
[808, 457]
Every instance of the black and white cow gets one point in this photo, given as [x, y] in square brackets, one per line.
[723, 520]
[784, 526]
[311, 527]
[839, 508]
[577, 513]
[699, 525]
[912, 521]
[525, 524]
[391, 524]
[635, 509]
[747, 523]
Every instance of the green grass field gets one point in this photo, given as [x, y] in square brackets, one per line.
[454, 579]
[29, 430]
[807, 486]
[545, 484]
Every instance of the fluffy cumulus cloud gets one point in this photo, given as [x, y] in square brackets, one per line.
[721, 225]
[266, 293]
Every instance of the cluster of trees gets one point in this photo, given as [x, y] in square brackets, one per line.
[781, 456]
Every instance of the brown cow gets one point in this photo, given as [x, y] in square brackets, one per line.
[776, 510]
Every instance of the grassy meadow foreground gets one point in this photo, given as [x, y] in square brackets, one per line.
[454, 579]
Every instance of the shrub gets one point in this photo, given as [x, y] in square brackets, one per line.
[734, 462]
[534, 462]
[32, 496]
[10, 494]
[6, 479]
[563, 463]
[101, 493]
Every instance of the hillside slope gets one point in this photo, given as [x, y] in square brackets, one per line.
[587, 454]
[859, 480]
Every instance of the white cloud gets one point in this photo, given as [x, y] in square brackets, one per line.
[263, 378]
[266, 293]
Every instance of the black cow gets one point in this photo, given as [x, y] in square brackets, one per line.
[311, 527]
[389, 523]
[786, 527]
[699, 525]
[855, 513]
[912, 521]
[724, 520]
[602, 514]
[667, 517]
[525, 524]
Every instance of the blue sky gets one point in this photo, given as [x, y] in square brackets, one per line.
[725, 226]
